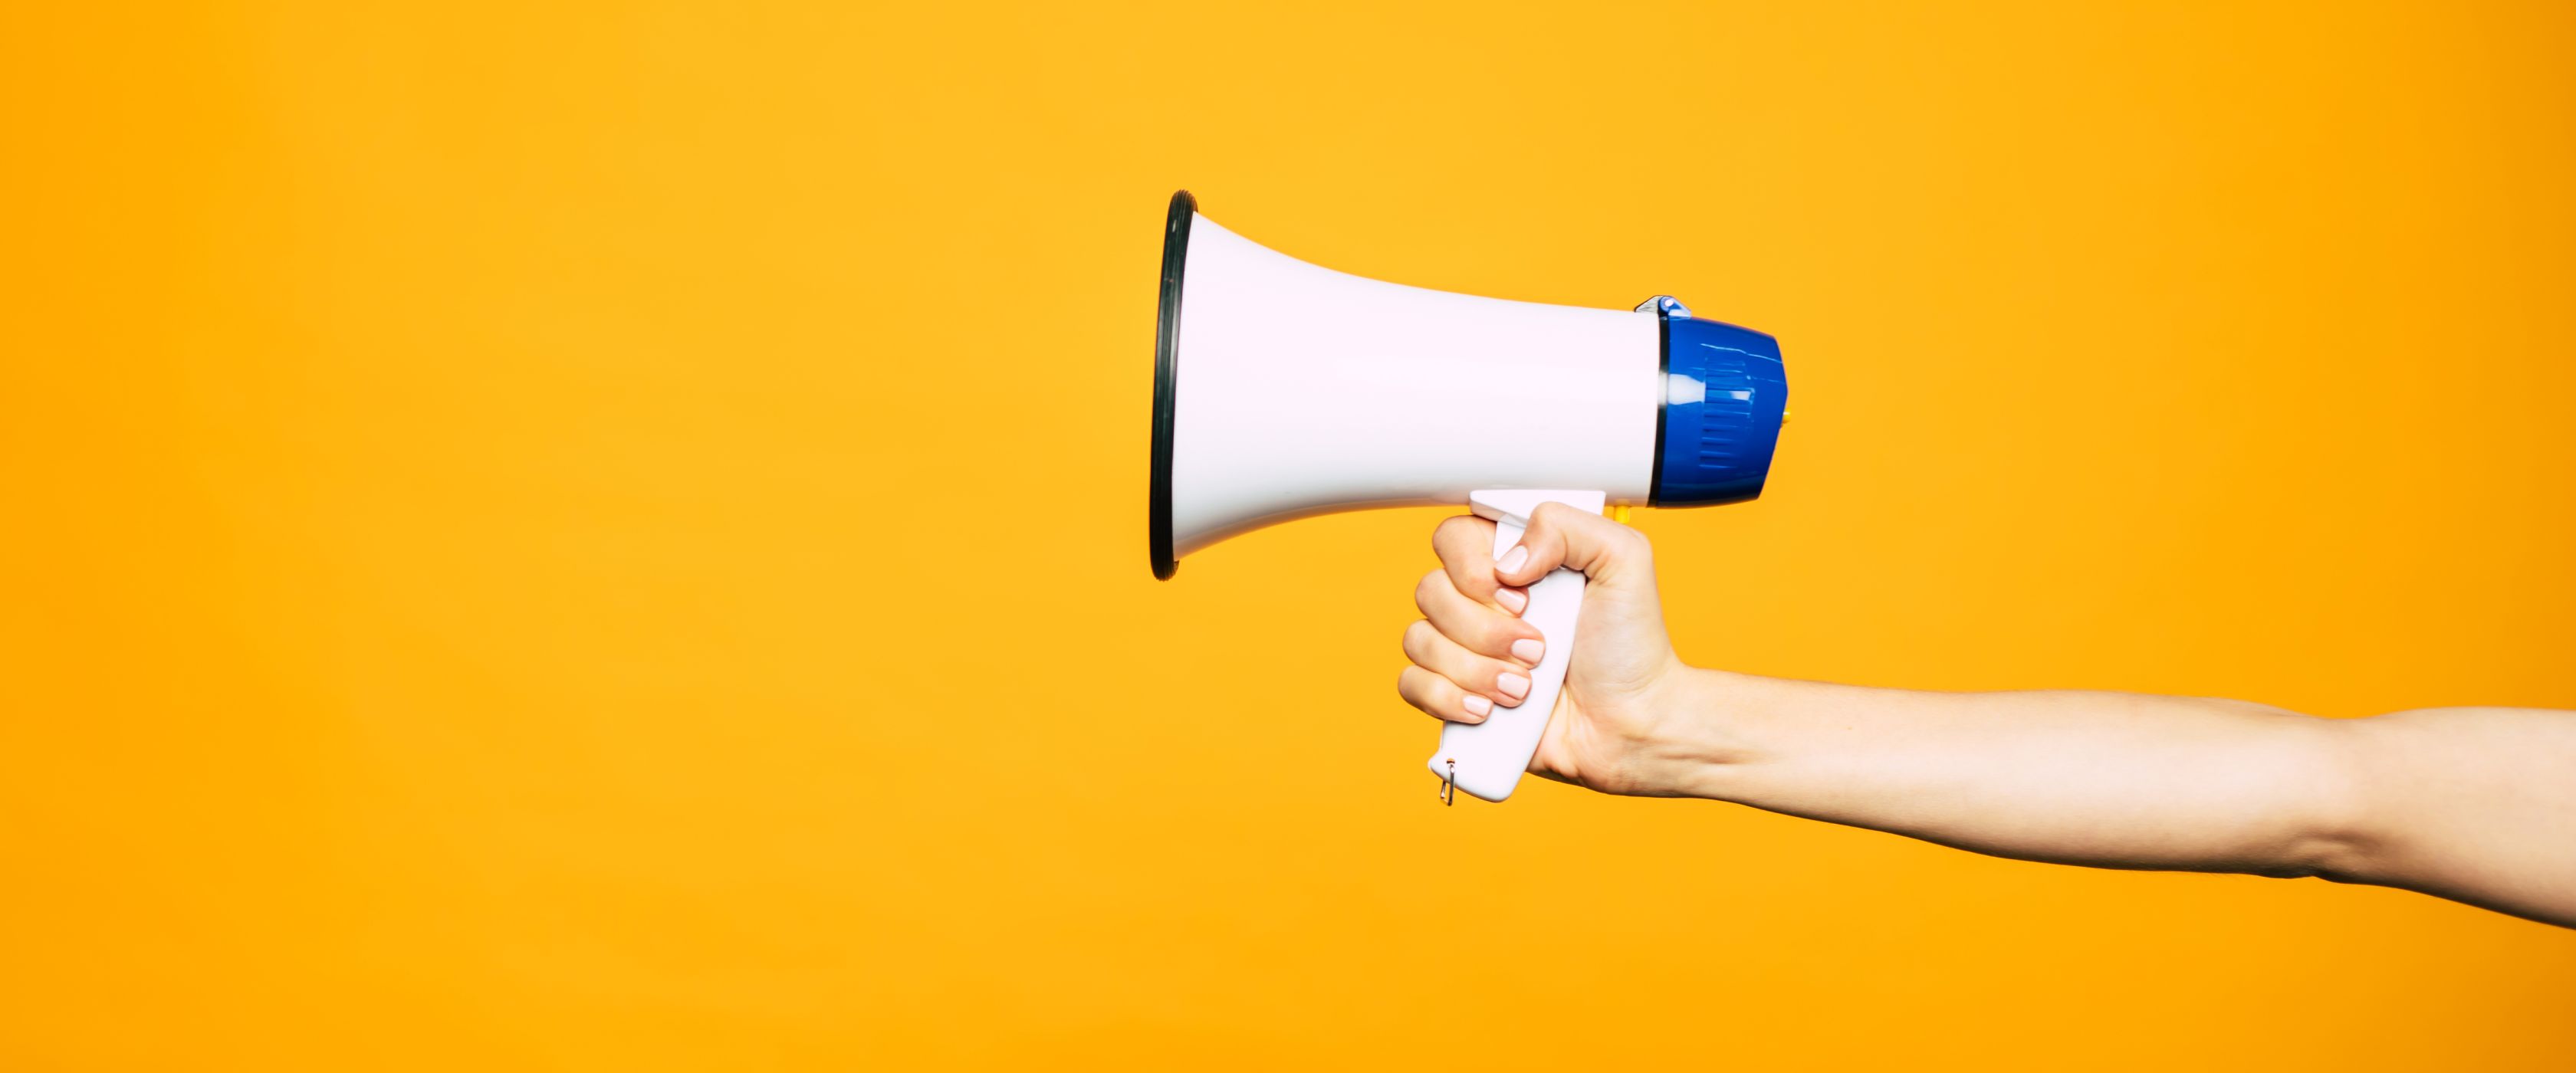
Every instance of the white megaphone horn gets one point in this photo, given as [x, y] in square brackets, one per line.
[1283, 390]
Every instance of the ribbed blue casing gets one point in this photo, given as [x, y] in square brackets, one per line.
[1724, 394]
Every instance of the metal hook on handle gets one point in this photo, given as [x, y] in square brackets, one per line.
[1449, 785]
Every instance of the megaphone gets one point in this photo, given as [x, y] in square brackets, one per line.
[1284, 390]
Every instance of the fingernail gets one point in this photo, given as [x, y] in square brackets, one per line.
[1513, 600]
[1512, 685]
[1477, 706]
[1512, 560]
[1528, 650]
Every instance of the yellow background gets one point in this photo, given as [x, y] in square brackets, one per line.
[612, 537]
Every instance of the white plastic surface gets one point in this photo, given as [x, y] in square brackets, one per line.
[1300, 390]
[1491, 756]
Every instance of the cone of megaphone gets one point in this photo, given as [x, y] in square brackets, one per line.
[1284, 390]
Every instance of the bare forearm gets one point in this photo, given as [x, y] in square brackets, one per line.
[2109, 779]
[2477, 805]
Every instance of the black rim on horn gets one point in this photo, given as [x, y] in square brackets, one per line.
[1167, 340]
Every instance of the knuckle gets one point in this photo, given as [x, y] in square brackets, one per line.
[1417, 638]
[1473, 583]
[1421, 689]
[1428, 587]
[1448, 531]
[1477, 632]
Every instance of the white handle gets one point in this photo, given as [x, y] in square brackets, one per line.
[1487, 758]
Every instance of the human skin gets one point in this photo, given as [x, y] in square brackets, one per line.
[2477, 805]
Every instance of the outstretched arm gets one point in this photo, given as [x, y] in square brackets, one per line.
[2473, 804]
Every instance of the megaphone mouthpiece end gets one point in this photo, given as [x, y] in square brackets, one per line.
[1726, 396]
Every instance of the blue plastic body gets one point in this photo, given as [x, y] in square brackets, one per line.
[1724, 393]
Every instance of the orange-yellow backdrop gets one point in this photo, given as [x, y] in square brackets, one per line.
[613, 537]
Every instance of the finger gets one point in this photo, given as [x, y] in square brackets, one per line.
[1465, 545]
[1500, 682]
[1482, 628]
[1560, 535]
[1441, 697]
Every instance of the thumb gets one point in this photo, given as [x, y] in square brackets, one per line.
[1560, 535]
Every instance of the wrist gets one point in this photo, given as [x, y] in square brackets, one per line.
[1699, 737]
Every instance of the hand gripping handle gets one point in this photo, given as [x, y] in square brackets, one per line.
[1488, 758]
